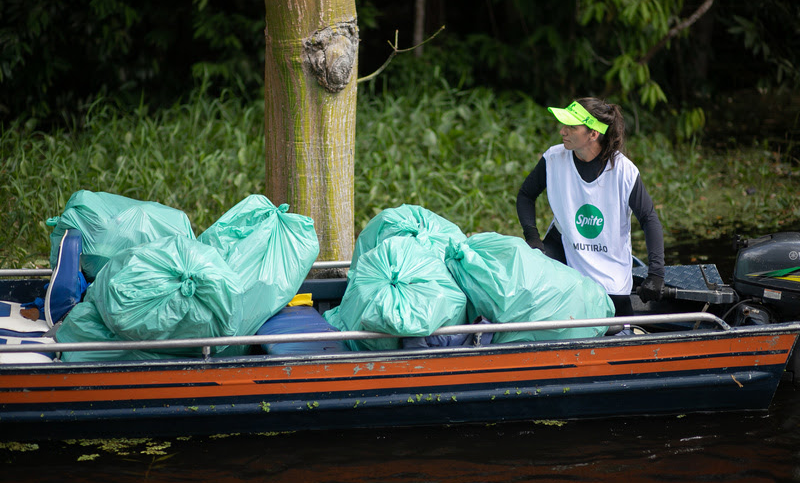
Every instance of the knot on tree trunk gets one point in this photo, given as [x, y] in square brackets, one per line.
[331, 54]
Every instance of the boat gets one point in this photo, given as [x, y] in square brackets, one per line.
[706, 346]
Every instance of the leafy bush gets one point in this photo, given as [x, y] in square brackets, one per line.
[460, 153]
[57, 57]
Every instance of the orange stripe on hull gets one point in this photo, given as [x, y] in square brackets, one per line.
[398, 374]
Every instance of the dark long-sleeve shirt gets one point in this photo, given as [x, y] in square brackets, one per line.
[639, 201]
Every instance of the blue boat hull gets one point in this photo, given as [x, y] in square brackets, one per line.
[658, 373]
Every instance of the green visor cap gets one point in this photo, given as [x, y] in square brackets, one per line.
[576, 114]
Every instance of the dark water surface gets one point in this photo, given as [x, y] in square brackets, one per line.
[747, 447]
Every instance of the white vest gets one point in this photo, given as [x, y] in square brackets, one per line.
[594, 218]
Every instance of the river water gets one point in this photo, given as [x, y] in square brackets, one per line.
[759, 446]
[746, 447]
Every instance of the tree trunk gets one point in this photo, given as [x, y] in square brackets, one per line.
[309, 114]
[419, 26]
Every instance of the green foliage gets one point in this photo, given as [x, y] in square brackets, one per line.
[592, 47]
[770, 30]
[230, 34]
[690, 122]
[454, 152]
[637, 28]
[368, 15]
[460, 153]
[701, 193]
[201, 157]
[56, 57]
[554, 52]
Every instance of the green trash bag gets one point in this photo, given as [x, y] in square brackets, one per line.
[506, 281]
[111, 223]
[400, 288]
[270, 249]
[84, 324]
[170, 288]
[430, 229]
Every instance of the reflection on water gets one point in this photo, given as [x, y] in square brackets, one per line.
[716, 252]
[751, 447]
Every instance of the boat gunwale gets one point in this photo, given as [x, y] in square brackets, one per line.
[406, 354]
[722, 330]
[207, 342]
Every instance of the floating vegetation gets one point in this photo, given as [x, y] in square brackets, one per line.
[124, 446]
[154, 448]
[222, 436]
[264, 406]
[550, 422]
[119, 446]
[22, 447]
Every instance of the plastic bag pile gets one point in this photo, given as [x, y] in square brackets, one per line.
[401, 288]
[111, 223]
[506, 281]
[414, 272]
[429, 229]
[270, 249]
[239, 272]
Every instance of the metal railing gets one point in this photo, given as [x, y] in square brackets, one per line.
[46, 272]
[207, 342]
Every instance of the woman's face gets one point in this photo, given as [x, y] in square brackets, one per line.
[577, 138]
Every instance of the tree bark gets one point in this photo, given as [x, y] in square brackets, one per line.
[309, 114]
[419, 26]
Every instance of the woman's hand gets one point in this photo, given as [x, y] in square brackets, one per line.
[651, 288]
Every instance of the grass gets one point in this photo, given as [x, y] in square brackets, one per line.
[703, 194]
[461, 154]
[201, 157]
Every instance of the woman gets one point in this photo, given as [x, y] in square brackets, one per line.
[592, 189]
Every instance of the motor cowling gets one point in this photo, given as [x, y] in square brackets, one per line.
[767, 270]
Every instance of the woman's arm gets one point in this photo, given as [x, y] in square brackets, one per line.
[642, 206]
[532, 187]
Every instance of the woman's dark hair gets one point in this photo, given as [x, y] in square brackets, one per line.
[611, 114]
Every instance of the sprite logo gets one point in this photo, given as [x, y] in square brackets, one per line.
[589, 221]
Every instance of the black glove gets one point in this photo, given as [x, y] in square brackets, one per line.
[532, 237]
[651, 288]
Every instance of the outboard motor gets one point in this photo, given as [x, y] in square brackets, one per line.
[767, 270]
[751, 314]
